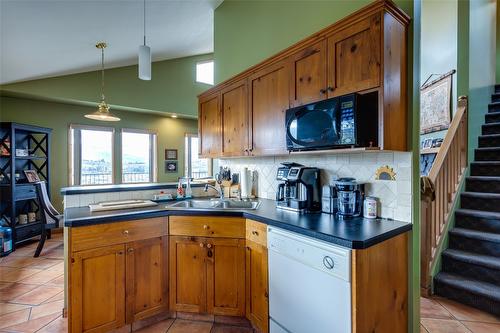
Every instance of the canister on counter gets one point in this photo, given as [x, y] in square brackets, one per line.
[370, 208]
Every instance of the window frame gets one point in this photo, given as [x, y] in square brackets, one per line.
[187, 157]
[153, 161]
[201, 62]
[75, 152]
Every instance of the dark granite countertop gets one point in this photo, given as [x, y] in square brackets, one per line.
[356, 233]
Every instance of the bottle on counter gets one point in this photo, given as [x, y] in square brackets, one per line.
[180, 190]
[370, 208]
[5, 239]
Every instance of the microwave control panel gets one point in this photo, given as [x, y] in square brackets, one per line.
[347, 123]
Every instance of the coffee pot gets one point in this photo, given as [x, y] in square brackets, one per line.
[350, 196]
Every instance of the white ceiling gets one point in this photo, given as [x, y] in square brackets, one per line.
[43, 38]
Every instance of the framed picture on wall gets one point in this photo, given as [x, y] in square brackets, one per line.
[170, 154]
[170, 166]
[435, 105]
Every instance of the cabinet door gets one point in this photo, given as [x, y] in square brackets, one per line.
[269, 99]
[235, 119]
[226, 276]
[187, 274]
[257, 307]
[354, 58]
[209, 126]
[308, 83]
[147, 278]
[97, 288]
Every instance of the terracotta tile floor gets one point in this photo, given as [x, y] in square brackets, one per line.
[439, 315]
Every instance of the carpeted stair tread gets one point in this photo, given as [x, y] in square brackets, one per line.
[475, 234]
[473, 258]
[477, 220]
[488, 184]
[497, 88]
[485, 168]
[487, 154]
[492, 117]
[476, 287]
[493, 107]
[490, 128]
[479, 213]
[489, 140]
[495, 97]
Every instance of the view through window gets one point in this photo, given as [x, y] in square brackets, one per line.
[205, 72]
[96, 156]
[195, 167]
[137, 157]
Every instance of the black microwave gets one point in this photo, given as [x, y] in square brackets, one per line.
[339, 122]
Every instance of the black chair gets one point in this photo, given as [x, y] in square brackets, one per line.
[49, 216]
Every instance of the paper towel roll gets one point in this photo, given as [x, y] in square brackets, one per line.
[244, 183]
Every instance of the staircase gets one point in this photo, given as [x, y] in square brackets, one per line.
[471, 265]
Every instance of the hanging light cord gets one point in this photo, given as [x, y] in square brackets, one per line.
[144, 21]
[102, 73]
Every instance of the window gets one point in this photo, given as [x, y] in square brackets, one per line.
[92, 155]
[205, 72]
[194, 166]
[138, 156]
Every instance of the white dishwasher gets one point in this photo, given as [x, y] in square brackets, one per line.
[309, 284]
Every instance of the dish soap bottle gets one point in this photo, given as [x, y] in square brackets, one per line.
[5, 239]
[188, 193]
[180, 191]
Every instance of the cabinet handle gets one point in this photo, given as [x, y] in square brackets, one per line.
[202, 245]
[130, 250]
[266, 295]
[125, 232]
[322, 91]
[210, 254]
[206, 227]
[209, 246]
[329, 89]
[256, 233]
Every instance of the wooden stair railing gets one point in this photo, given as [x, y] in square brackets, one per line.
[446, 174]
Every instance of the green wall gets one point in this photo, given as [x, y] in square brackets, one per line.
[59, 116]
[498, 44]
[247, 32]
[172, 89]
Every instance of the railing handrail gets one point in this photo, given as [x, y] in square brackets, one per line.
[452, 131]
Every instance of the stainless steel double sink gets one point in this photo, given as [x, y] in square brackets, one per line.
[216, 204]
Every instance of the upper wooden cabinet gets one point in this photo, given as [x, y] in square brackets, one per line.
[308, 76]
[364, 52]
[269, 99]
[209, 126]
[235, 119]
[354, 58]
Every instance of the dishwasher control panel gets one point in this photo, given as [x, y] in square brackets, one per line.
[328, 258]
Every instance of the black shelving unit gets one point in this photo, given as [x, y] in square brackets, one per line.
[17, 195]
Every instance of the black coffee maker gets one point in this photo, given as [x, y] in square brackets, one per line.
[299, 190]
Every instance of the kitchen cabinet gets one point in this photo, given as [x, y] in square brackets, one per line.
[98, 289]
[209, 126]
[366, 52]
[269, 99]
[257, 306]
[354, 58]
[235, 119]
[146, 278]
[308, 80]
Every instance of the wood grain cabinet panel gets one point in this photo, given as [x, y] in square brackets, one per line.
[210, 126]
[354, 58]
[269, 99]
[207, 226]
[98, 289]
[257, 281]
[308, 79]
[146, 278]
[188, 277]
[226, 276]
[235, 120]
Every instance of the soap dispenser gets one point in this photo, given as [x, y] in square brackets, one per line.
[180, 190]
[188, 192]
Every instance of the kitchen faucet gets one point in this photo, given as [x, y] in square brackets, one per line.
[219, 192]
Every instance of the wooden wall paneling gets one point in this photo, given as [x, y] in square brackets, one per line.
[394, 83]
[210, 126]
[380, 287]
[269, 98]
[225, 276]
[188, 274]
[308, 80]
[147, 278]
[354, 58]
[234, 101]
[98, 289]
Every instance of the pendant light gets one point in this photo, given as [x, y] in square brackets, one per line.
[144, 53]
[102, 113]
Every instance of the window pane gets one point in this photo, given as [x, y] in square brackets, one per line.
[205, 72]
[96, 163]
[199, 166]
[136, 157]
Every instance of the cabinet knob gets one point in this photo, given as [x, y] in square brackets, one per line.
[330, 89]
[125, 232]
[130, 250]
[322, 91]
[206, 227]
[202, 245]
[209, 246]
[256, 233]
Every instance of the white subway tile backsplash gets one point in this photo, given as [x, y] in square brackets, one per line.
[71, 201]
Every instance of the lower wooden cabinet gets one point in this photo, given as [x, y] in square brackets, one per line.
[207, 275]
[257, 293]
[146, 278]
[98, 289]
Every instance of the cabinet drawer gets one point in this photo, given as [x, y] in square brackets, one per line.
[90, 237]
[25, 192]
[256, 232]
[204, 226]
